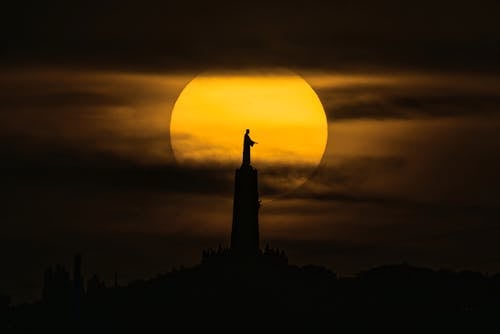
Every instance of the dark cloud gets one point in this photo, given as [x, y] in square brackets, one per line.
[41, 100]
[450, 105]
[104, 171]
[319, 34]
[375, 103]
[407, 107]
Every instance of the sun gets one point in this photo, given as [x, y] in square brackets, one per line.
[282, 111]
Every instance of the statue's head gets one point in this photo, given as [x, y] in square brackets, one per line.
[248, 131]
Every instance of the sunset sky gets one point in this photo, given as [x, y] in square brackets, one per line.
[411, 92]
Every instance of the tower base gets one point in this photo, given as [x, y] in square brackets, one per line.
[245, 228]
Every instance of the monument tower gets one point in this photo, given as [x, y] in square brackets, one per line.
[245, 228]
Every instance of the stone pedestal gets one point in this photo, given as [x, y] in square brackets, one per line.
[245, 229]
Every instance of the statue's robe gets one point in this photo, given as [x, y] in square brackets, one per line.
[247, 143]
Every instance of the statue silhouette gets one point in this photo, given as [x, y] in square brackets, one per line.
[247, 143]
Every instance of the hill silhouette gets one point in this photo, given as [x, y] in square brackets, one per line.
[264, 290]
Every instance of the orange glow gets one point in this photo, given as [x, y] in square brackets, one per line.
[282, 111]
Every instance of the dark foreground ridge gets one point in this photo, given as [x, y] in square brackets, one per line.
[230, 291]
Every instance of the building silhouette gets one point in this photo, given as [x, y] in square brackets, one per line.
[59, 289]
